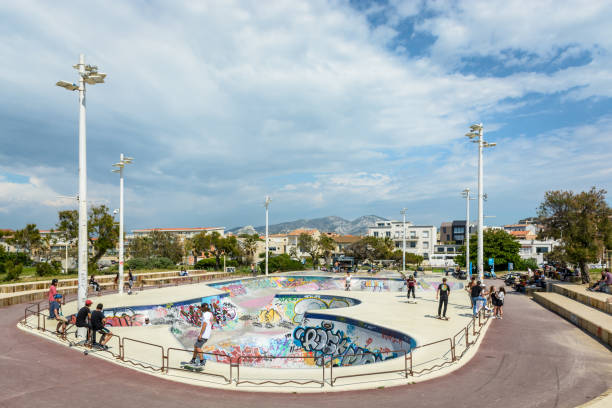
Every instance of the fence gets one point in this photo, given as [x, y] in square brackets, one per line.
[452, 349]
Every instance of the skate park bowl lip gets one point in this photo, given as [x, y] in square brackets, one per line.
[363, 313]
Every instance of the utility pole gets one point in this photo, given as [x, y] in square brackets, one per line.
[403, 212]
[87, 74]
[120, 166]
[267, 204]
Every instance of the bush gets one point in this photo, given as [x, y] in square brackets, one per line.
[523, 264]
[12, 271]
[150, 263]
[208, 263]
[45, 269]
[281, 263]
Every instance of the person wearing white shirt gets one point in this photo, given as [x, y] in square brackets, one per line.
[205, 330]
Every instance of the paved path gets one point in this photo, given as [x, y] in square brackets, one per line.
[531, 358]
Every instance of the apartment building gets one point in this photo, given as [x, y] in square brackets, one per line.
[420, 239]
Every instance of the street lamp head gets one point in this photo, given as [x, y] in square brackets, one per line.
[476, 127]
[487, 144]
[67, 85]
[472, 135]
[116, 170]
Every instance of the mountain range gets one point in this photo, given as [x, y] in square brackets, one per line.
[339, 225]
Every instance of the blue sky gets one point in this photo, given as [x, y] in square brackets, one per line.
[335, 107]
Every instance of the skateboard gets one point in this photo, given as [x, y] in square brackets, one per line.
[441, 318]
[412, 301]
[188, 366]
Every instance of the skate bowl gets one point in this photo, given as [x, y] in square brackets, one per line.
[260, 324]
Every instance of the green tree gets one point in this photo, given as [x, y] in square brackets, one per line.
[12, 271]
[27, 239]
[497, 244]
[326, 247]
[307, 243]
[249, 243]
[216, 245]
[371, 248]
[581, 222]
[102, 232]
[165, 245]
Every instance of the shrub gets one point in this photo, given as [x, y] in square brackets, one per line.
[45, 269]
[12, 271]
[281, 263]
[149, 263]
[208, 263]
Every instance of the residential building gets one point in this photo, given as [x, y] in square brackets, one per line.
[536, 249]
[420, 239]
[522, 231]
[454, 232]
[444, 255]
[292, 240]
[343, 241]
[182, 233]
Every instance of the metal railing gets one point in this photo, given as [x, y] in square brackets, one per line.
[471, 332]
[226, 358]
[316, 359]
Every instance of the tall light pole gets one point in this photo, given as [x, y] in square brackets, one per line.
[466, 193]
[120, 165]
[476, 137]
[403, 212]
[87, 74]
[267, 204]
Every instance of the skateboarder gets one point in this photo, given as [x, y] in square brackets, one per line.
[411, 283]
[347, 281]
[205, 330]
[97, 325]
[443, 292]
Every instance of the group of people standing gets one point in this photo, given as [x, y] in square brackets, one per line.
[492, 300]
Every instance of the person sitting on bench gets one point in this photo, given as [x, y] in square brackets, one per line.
[94, 284]
[56, 310]
[83, 318]
[97, 326]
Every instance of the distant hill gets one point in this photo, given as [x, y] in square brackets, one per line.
[339, 225]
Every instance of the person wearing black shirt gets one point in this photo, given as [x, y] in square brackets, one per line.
[443, 292]
[97, 324]
[83, 316]
[476, 294]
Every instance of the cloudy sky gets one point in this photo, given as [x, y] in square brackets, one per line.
[331, 107]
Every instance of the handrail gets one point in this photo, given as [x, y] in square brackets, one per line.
[139, 363]
[316, 358]
[404, 370]
[168, 368]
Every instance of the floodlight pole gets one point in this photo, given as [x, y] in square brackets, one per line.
[480, 208]
[403, 212]
[466, 193]
[83, 237]
[266, 204]
[120, 283]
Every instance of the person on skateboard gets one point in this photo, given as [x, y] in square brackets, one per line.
[442, 293]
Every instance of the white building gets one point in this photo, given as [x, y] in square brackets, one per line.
[536, 249]
[420, 239]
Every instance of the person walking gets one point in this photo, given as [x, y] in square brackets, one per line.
[443, 293]
[130, 281]
[205, 331]
[411, 283]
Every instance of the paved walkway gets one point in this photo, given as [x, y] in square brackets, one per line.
[531, 358]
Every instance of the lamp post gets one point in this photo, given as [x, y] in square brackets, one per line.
[87, 74]
[403, 212]
[466, 193]
[476, 137]
[267, 204]
[123, 161]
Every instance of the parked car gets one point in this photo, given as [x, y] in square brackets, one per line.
[420, 269]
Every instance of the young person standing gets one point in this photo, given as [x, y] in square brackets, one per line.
[411, 283]
[443, 293]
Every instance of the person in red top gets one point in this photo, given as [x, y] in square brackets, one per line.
[51, 296]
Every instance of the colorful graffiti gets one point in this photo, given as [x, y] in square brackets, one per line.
[324, 342]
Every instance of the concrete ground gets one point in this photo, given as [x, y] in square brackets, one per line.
[532, 358]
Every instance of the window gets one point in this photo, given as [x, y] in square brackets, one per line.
[388, 233]
[444, 229]
[412, 244]
[541, 250]
[458, 230]
[425, 234]
[440, 249]
[450, 249]
[413, 234]
[398, 244]
[425, 244]
[375, 233]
